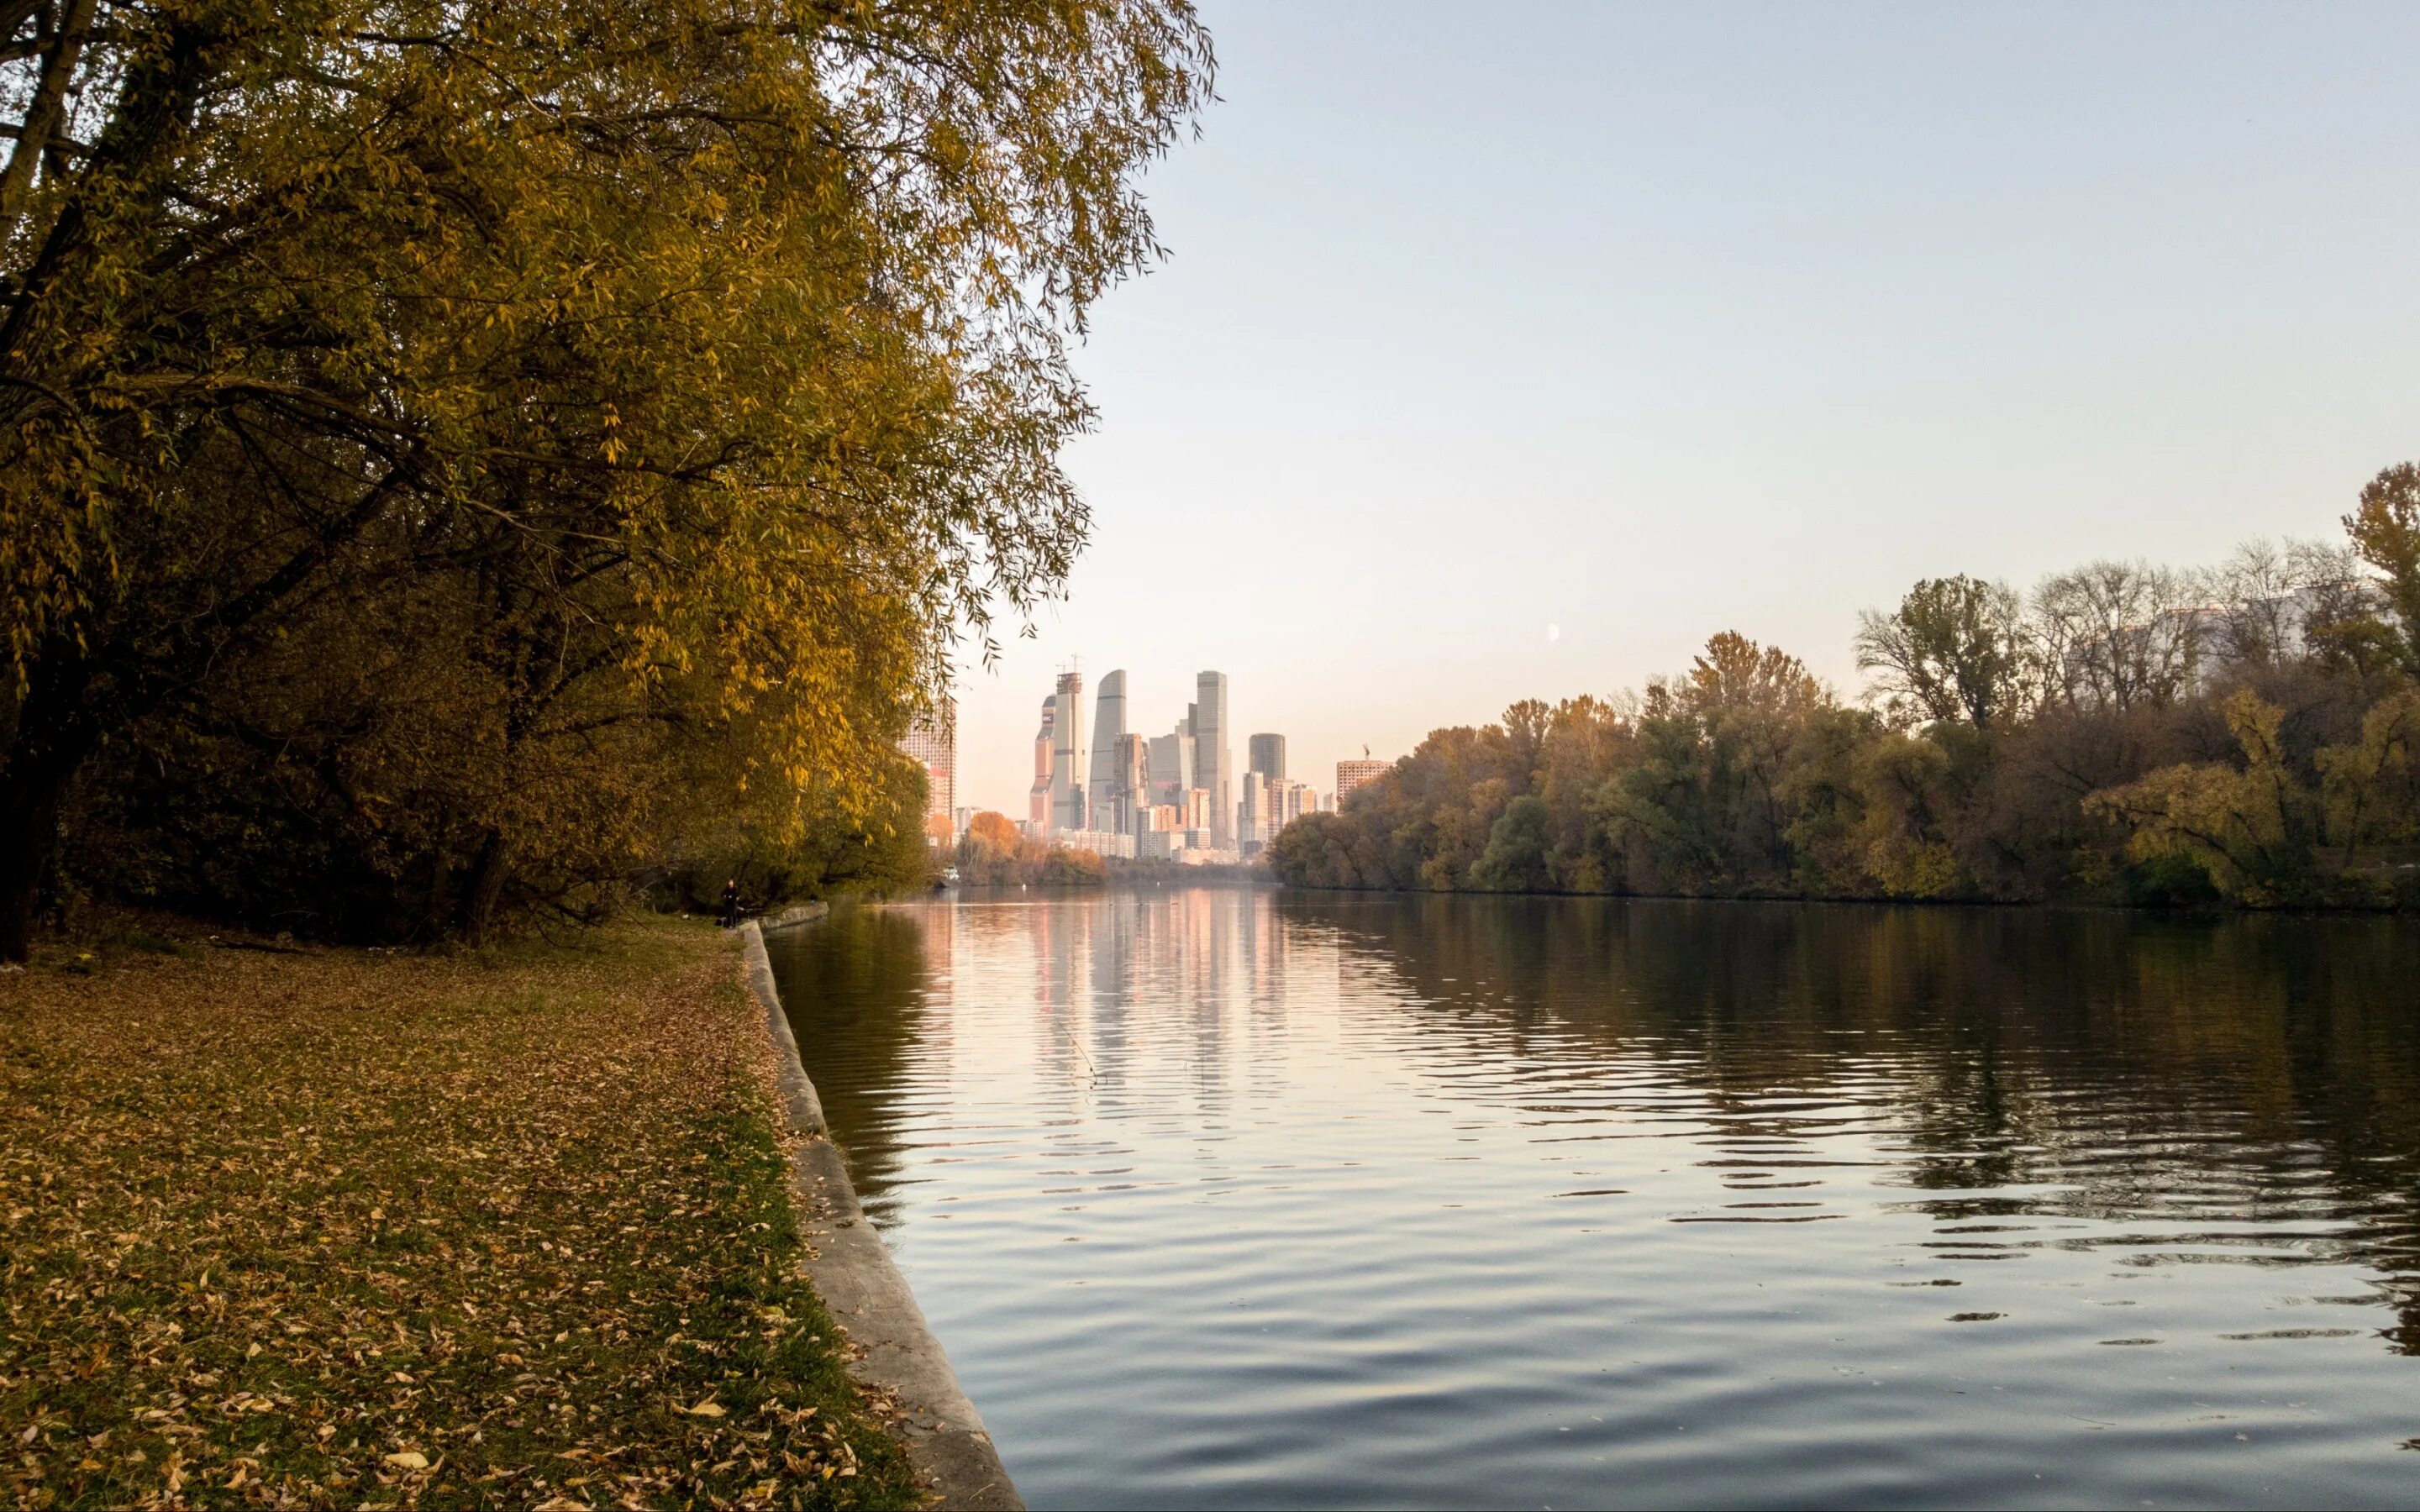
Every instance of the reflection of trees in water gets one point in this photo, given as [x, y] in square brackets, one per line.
[854, 987]
[2211, 1082]
[2228, 1074]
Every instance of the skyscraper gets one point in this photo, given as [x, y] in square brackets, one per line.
[1133, 793]
[1067, 753]
[1109, 728]
[933, 742]
[1171, 765]
[1214, 766]
[1037, 798]
[1253, 828]
[1268, 755]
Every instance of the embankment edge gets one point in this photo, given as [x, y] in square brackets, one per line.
[853, 1272]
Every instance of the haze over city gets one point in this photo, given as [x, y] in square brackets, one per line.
[1514, 361]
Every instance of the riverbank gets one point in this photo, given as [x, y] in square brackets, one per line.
[338, 1227]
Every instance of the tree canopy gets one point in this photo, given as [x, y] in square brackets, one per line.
[504, 411]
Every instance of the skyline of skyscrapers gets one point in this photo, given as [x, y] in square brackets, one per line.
[1177, 794]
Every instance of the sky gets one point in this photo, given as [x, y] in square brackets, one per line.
[1512, 351]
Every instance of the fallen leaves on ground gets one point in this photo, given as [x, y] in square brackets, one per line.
[361, 1229]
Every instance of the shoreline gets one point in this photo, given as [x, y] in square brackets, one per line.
[851, 1270]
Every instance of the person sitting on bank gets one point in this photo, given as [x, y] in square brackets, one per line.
[731, 903]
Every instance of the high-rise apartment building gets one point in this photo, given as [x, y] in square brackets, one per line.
[1068, 753]
[933, 743]
[1213, 764]
[1133, 789]
[1195, 810]
[1171, 765]
[1351, 775]
[1037, 798]
[1268, 755]
[1252, 826]
[1109, 728]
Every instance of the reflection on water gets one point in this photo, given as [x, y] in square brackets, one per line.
[1239, 1198]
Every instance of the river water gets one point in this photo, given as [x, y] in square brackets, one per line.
[1225, 1197]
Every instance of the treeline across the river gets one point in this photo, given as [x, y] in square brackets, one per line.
[2123, 733]
[483, 466]
[993, 852]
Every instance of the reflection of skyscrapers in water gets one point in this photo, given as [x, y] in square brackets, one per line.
[1211, 964]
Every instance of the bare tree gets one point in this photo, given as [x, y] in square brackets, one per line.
[2115, 635]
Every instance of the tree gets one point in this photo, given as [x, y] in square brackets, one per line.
[2251, 827]
[2115, 635]
[994, 830]
[2385, 531]
[1950, 650]
[706, 362]
[1517, 847]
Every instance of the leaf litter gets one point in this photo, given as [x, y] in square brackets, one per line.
[344, 1229]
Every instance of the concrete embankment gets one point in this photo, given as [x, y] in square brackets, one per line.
[853, 1272]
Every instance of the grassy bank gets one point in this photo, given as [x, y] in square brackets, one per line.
[339, 1228]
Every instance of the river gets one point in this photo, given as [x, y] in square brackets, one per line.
[1234, 1198]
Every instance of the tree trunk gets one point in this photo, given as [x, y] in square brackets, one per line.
[486, 883]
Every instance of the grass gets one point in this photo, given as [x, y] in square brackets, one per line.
[342, 1228]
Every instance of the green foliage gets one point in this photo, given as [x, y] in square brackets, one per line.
[1517, 847]
[2386, 531]
[1951, 651]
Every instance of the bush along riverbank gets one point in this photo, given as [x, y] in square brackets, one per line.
[343, 1229]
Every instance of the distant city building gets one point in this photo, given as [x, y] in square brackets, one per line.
[1268, 755]
[1103, 793]
[933, 742]
[1194, 813]
[1351, 775]
[1252, 826]
[1037, 799]
[961, 817]
[1213, 764]
[1068, 753]
[1098, 841]
[1130, 796]
[1172, 764]
[1290, 800]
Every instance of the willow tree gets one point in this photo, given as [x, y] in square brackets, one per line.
[715, 353]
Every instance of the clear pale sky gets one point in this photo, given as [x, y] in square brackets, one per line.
[1512, 351]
